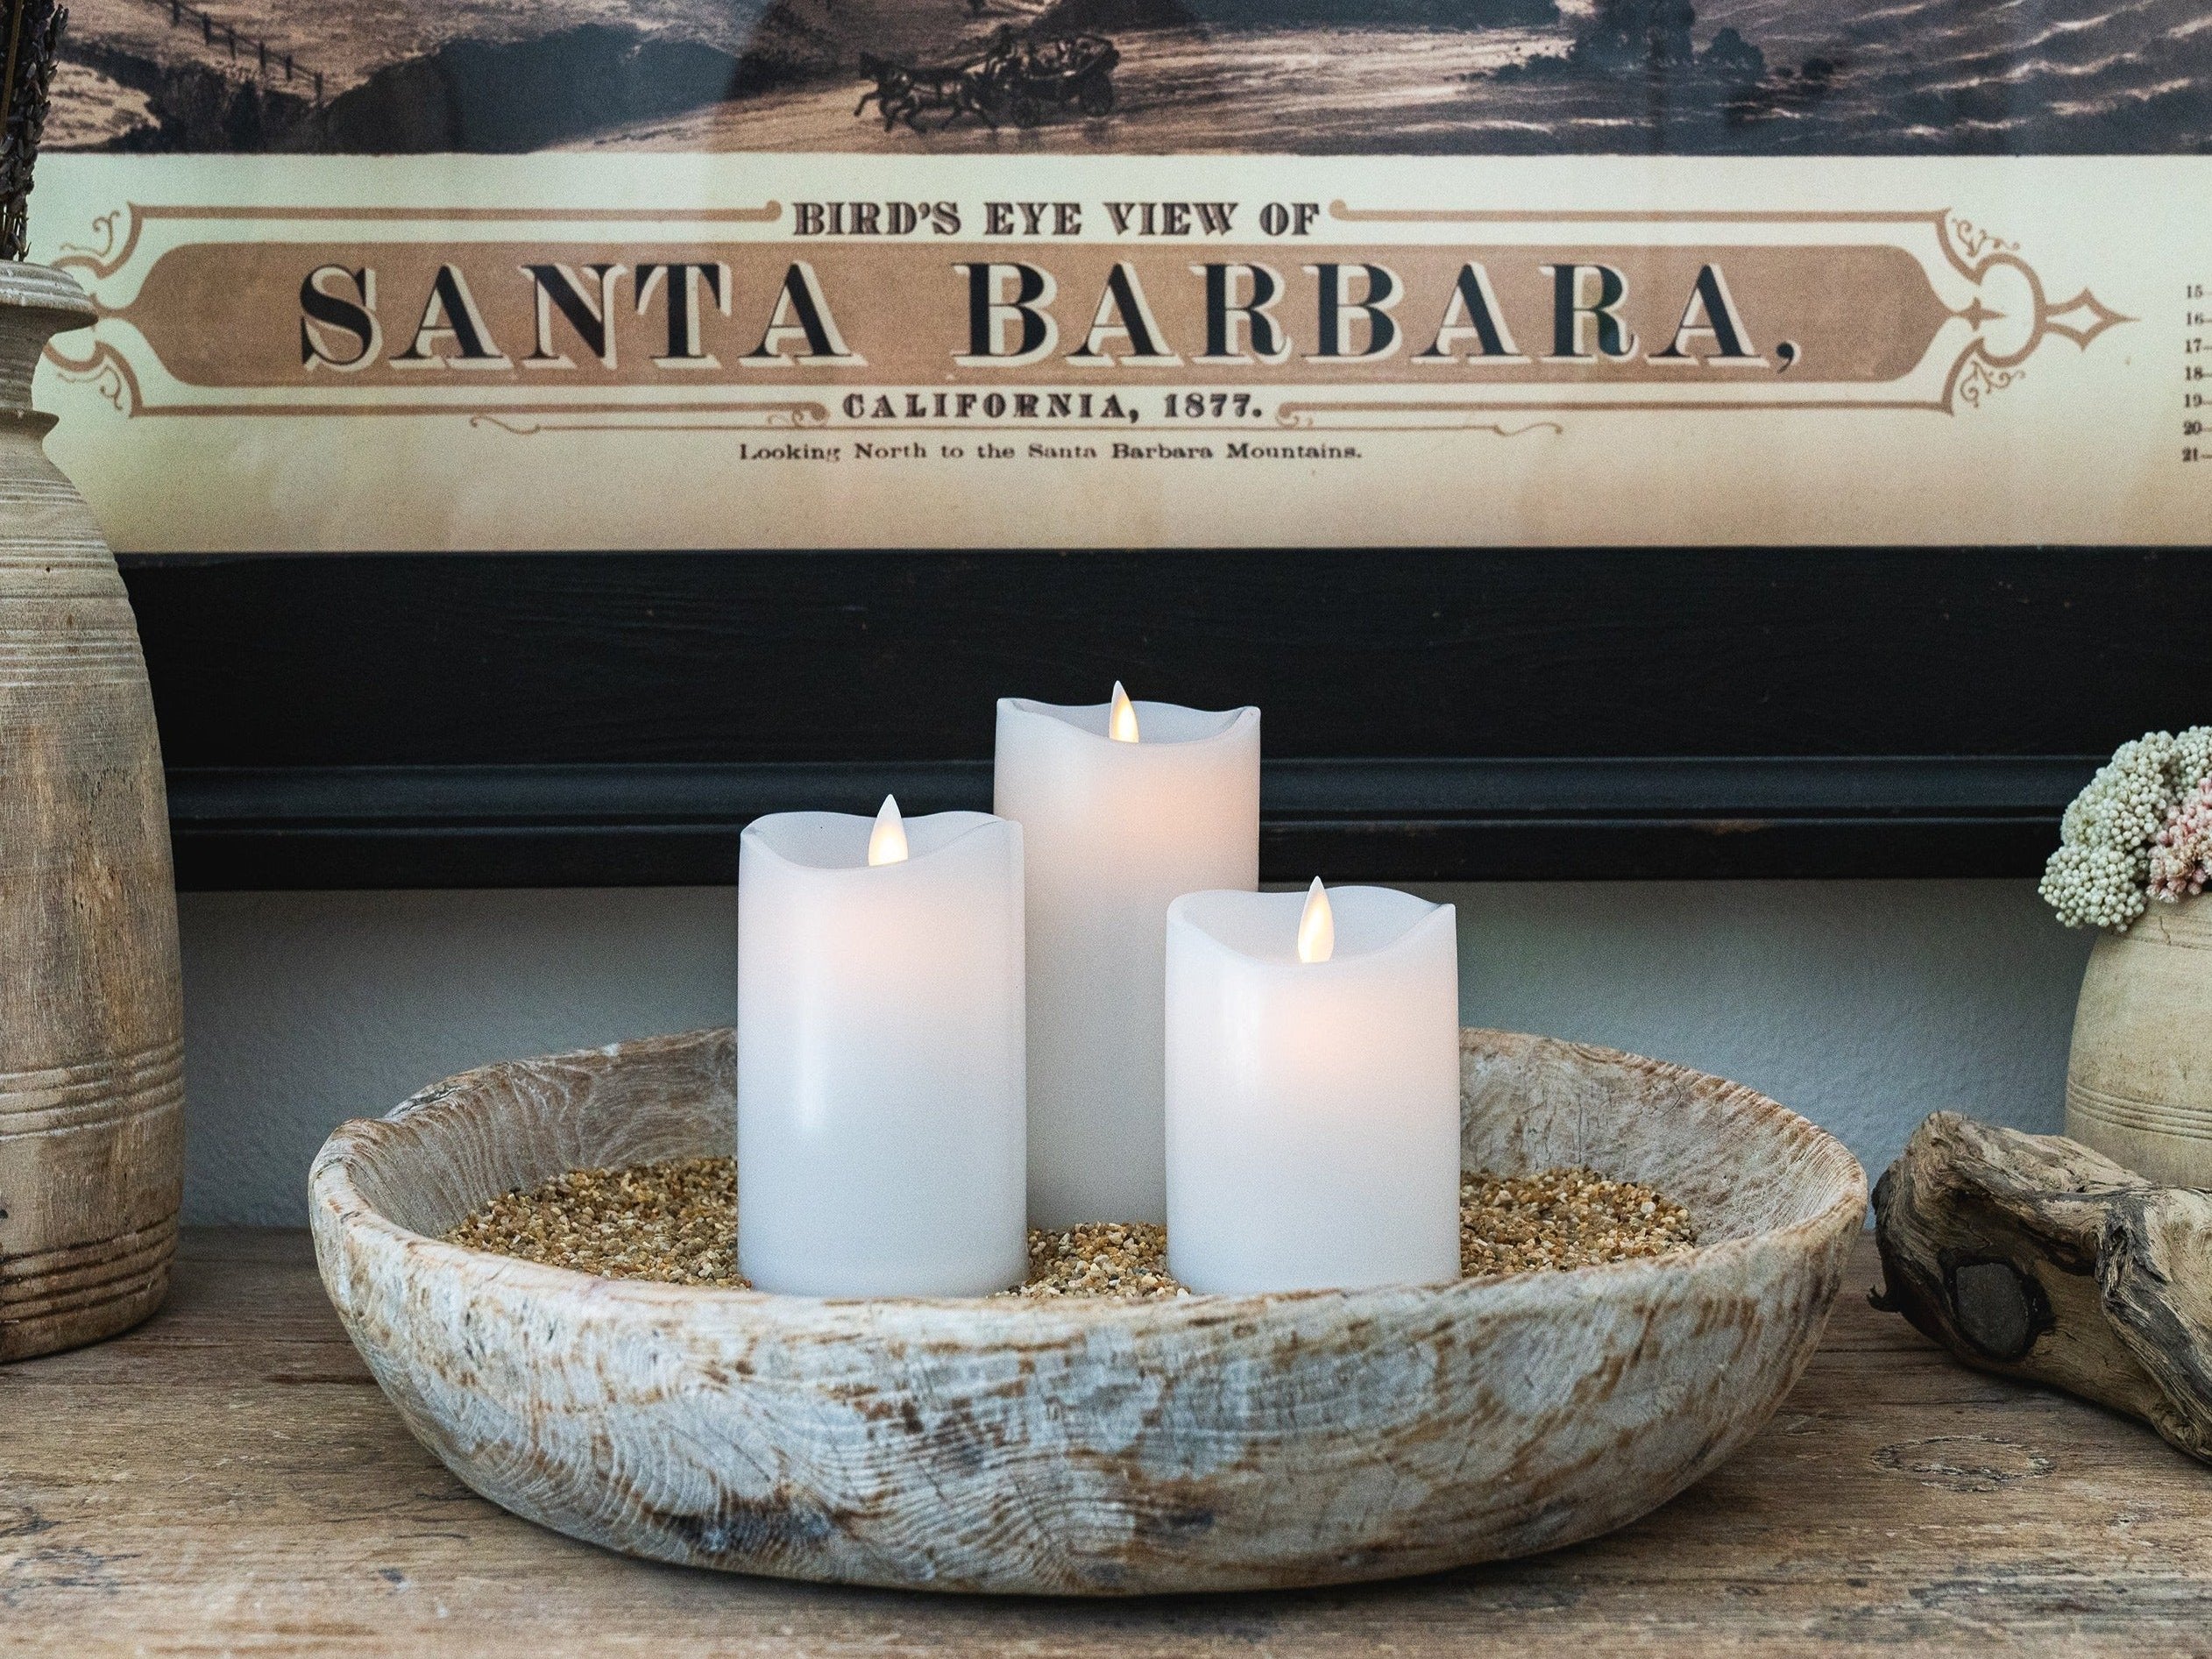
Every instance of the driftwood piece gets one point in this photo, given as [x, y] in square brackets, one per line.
[1215, 1442]
[2034, 1257]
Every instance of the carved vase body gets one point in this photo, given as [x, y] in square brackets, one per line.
[91, 1039]
[2139, 1085]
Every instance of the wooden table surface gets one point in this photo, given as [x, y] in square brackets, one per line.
[228, 1480]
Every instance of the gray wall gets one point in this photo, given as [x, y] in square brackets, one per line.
[1864, 1005]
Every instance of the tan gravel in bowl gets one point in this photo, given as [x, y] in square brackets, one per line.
[677, 1223]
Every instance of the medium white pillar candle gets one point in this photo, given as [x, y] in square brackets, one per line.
[1313, 1090]
[881, 1119]
[1124, 807]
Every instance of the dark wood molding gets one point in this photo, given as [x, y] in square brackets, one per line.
[1350, 820]
[569, 719]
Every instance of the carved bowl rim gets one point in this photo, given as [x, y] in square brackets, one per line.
[340, 1209]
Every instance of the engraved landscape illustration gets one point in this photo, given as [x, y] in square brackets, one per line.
[1473, 77]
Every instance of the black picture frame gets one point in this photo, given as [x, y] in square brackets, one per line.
[335, 721]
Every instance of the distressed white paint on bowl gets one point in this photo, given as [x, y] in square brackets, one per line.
[1216, 1442]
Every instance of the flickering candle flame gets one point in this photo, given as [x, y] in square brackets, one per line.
[887, 841]
[1120, 724]
[1317, 926]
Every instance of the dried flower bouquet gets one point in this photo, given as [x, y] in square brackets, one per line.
[2141, 831]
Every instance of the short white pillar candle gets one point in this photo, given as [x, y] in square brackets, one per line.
[1313, 1090]
[881, 1119]
[1124, 807]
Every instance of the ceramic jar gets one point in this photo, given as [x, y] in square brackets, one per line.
[2139, 1083]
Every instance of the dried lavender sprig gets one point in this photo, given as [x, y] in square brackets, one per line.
[26, 81]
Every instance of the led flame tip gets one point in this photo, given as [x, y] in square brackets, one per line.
[887, 841]
[1121, 721]
[1317, 926]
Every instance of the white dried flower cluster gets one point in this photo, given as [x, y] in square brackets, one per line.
[2099, 876]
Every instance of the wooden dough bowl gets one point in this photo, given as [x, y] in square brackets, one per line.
[1086, 1448]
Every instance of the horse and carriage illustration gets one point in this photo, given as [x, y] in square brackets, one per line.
[1016, 81]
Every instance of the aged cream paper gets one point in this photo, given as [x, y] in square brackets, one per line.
[1032, 347]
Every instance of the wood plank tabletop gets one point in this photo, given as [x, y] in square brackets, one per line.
[228, 1480]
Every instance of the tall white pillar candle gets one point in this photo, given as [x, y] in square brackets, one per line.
[1313, 1090]
[1124, 807]
[881, 1120]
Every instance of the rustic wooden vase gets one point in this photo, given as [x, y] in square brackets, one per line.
[1215, 1443]
[91, 1021]
[2138, 1085]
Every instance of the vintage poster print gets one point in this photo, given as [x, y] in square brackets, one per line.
[722, 273]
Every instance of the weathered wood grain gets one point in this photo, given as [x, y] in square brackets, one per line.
[2039, 1258]
[1218, 1443]
[228, 1480]
[91, 1025]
